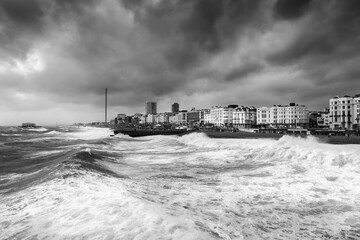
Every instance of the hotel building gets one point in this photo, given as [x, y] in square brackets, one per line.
[244, 117]
[291, 115]
[344, 112]
[222, 116]
[162, 118]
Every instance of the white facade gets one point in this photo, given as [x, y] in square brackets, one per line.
[356, 112]
[143, 119]
[162, 118]
[289, 115]
[207, 117]
[221, 116]
[150, 118]
[344, 112]
[263, 116]
[292, 115]
[244, 117]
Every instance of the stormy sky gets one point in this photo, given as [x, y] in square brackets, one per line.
[58, 56]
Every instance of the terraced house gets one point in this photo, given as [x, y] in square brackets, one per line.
[344, 112]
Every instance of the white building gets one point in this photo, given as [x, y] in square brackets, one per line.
[344, 112]
[143, 119]
[162, 118]
[291, 115]
[244, 117]
[150, 118]
[221, 116]
[263, 116]
[207, 117]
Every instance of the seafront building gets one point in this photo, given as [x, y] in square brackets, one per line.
[181, 117]
[162, 118]
[344, 112]
[196, 116]
[222, 116]
[207, 117]
[291, 115]
[150, 108]
[150, 118]
[244, 117]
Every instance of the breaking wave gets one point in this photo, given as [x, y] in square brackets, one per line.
[82, 183]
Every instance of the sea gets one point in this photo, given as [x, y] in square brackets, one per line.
[81, 183]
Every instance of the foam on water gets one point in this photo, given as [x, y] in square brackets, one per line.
[191, 187]
[40, 129]
[89, 133]
[90, 207]
[250, 188]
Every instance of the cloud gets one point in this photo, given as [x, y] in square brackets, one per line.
[243, 71]
[199, 52]
[290, 9]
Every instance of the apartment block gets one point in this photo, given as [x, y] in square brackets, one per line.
[244, 117]
[222, 116]
[162, 118]
[150, 108]
[175, 108]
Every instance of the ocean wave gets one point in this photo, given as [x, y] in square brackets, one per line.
[307, 152]
[91, 207]
[188, 187]
[53, 132]
[40, 129]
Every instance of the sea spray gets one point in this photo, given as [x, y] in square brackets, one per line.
[86, 184]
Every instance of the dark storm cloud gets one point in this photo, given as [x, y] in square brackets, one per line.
[21, 21]
[290, 9]
[243, 71]
[334, 31]
[198, 28]
[22, 13]
[155, 49]
[26, 22]
[325, 48]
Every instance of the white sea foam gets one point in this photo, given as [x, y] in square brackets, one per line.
[89, 133]
[40, 129]
[89, 207]
[194, 187]
[53, 132]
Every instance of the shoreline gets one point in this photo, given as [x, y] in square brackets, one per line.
[249, 135]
